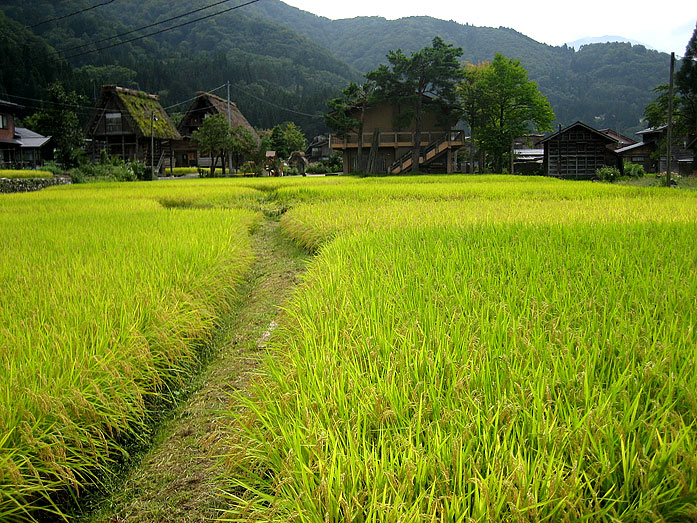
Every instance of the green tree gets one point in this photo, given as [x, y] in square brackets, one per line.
[473, 101]
[242, 144]
[59, 120]
[213, 138]
[503, 104]
[684, 100]
[686, 83]
[286, 138]
[433, 71]
[348, 113]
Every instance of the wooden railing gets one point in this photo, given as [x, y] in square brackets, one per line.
[387, 139]
[449, 140]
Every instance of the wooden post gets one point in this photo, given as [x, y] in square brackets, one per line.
[669, 150]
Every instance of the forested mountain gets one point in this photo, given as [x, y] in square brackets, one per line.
[278, 56]
[604, 85]
[269, 66]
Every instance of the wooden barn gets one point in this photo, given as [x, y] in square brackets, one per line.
[131, 125]
[578, 151]
[391, 147]
[204, 105]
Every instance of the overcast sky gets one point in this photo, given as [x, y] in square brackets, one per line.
[666, 25]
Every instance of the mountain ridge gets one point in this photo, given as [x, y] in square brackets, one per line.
[294, 59]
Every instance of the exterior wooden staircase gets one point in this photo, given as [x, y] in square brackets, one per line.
[450, 141]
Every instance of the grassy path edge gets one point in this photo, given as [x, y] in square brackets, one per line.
[177, 479]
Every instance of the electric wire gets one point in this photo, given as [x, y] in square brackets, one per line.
[275, 104]
[142, 28]
[161, 30]
[71, 14]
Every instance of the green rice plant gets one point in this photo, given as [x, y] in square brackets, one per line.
[481, 373]
[24, 173]
[106, 297]
[484, 349]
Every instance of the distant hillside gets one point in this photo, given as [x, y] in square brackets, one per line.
[268, 65]
[605, 85]
[577, 44]
[276, 56]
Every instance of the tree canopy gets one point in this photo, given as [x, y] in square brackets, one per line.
[500, 103]
[59, 120]
[432, 71]
[348, 113]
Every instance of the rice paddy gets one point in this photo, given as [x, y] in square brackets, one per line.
[485, 350]
[106, 295]
[462, 348]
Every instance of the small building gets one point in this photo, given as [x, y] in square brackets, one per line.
[392, 145]
[578, 151]
[34, 149]
[318, 149]
[645, 153]
[131, 125]
[204, 105]
[9, 144]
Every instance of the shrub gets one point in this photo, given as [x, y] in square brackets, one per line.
[608, 174]
[634, 170]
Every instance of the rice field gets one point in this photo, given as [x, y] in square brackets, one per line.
[107, 297]
[462, 348]
[484, 349]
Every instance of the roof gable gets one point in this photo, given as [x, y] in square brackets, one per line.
[585, 127]
[212, 104]
[140, 108]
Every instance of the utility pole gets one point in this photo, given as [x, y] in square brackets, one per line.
[229, 124]
[669, 163]
[152, 144]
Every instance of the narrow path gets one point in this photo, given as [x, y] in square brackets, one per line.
[177, 479]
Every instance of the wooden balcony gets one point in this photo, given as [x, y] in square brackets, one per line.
[395, 139]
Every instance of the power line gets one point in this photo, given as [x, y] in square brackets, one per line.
[161, 30]
[194, 97]
[71, 14]
[144, 27]
[276, 105]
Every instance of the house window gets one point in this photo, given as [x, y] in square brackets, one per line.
[113, 122]
[4, 121]
[637, 159]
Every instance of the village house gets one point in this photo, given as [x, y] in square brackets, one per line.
[34, 149]
[318, 149]
[9, 144]
[645, 153]
[131, 125]
[20, 147]
[204, 105]
[578, 151]
[389, 148]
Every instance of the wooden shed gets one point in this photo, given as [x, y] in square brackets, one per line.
[578, 151]
[131, 125]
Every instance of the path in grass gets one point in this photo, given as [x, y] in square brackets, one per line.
[177, 479]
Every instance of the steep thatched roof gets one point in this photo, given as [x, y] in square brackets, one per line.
[212, 104]
[138, 107]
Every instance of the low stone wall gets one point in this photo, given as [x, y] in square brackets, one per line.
[12, 185]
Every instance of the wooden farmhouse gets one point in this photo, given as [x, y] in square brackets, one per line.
[203, 106]
[578, 151]
[391, 146]
[9, 144]
[131, 125]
